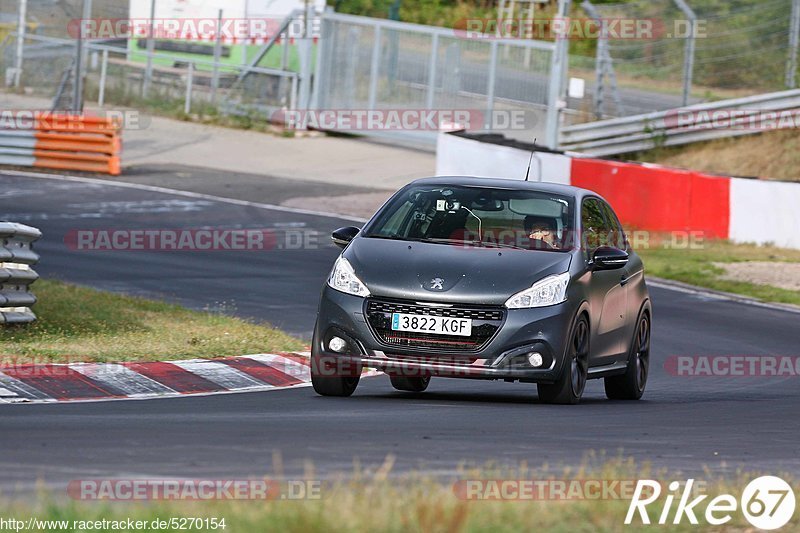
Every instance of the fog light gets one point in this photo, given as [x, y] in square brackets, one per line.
[337, 344]
[535, 359]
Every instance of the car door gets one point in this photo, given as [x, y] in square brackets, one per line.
[607, 291]
[631, 275]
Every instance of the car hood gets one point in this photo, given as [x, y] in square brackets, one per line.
[449, 273]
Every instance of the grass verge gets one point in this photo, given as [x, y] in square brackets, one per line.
[695, 266]
[78, 323]
[376, 502]
[770, 155]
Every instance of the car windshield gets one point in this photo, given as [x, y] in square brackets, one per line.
[477, 216]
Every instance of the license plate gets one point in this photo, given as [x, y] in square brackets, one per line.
[438, 325]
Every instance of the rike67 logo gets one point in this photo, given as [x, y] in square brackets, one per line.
[767, 502]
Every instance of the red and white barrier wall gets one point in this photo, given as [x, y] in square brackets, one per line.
[646, 197]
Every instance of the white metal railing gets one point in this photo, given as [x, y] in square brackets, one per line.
[674, 127]
[16, 275]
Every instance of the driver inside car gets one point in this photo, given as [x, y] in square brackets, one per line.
[541, 232]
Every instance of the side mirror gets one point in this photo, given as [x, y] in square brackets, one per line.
[342, 236]
[609, 258]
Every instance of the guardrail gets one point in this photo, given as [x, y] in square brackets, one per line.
[62, 141]
[16, 275]
[699, 122]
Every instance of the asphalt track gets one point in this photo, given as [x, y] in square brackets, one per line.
[683, 423]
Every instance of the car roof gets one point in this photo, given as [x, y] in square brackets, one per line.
[506, 183]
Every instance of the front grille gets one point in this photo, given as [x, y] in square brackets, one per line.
[485, 323]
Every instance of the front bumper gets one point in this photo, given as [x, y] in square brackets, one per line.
[542, 330]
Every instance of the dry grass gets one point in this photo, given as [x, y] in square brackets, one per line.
[78, 323]
[769, 155]
[374, 501]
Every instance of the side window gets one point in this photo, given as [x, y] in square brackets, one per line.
[398, 220]
[592, 225]
[616, 236]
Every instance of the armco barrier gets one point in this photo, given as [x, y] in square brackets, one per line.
[64, 142]
[646, 197]
[16, 275]
[699, 122]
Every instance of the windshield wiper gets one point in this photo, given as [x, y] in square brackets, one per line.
[442, 240]
[502, 245]
[394, 237]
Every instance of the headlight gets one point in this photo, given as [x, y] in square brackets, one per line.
[343, 278]
[551, 290]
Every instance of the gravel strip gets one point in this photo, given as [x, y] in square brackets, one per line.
[783, 275]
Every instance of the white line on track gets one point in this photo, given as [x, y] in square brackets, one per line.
[176, 192]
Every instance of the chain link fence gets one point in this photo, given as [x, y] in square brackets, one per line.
[740, 48]
[376, 64]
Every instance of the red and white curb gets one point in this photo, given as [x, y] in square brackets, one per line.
[141, 380]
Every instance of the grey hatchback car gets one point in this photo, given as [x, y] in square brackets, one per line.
[485, 278]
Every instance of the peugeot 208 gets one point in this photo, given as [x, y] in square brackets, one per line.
[486, 279]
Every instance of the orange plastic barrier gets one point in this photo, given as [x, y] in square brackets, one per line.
[63, 141]
[78, 142]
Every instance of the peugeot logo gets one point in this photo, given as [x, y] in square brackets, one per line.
[436, 284]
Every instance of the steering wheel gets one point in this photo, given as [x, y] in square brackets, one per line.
[539, 244]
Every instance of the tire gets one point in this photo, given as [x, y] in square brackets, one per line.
[572, 381]
[410, 384]
[331, 379]
[631, 384]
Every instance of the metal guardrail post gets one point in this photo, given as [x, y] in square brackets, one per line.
[101, 97]
[604, 67]
[431, 93]
[21, 28]
[16, 275]
[285, 52]
[374, 68]
[554, 100]
[599, 71]
[148, 71]
[688, 54]
[490, 85]
[317, 96]
[306, 56]
[217, 59]
[77, 98]
[187, 104]
[293, 95]
[794, 42]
